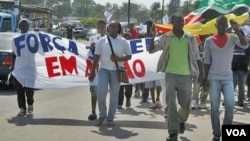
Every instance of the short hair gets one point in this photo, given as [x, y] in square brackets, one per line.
[101, 22]
[175, 16]
[149, 24]
[119, 28]
[221, 17]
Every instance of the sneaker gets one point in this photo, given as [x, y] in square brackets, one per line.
[158, 105]
[92, 116]
[119, 107]
[128, 103]
[172, 137]
[215, 138]
[202, 106]
[111, 123]
[153, 106]
[182, 127]
[30, 108]
[22, 112]
[194, 105]
[99, 121]
[137, 94]
[241, 104]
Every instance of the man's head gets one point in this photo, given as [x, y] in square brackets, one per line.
[24, 25]
[221, 24]
[101, 27]
[177, 21]
[114, 28]
[149, 24]
[131, 26]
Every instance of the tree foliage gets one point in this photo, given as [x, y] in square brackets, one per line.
[88, 9]
[155, 11]
[89, 22]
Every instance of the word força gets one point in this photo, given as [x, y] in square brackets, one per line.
[48, 43]
[32, 41]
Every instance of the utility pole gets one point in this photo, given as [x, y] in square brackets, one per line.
[128, 12]
[82, 8]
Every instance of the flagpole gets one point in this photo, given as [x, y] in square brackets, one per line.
[162, 10]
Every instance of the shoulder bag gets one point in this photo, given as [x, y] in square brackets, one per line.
[121, 71]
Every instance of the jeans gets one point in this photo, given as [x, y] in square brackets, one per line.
[240, 80]
[179, 86]
[215, 89]
[107, 78]
[128, 93]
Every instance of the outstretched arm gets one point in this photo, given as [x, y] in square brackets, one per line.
[243, 40]
[152, 33]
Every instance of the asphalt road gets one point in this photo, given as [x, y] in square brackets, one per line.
[61, 115]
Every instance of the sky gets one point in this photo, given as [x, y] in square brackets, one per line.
[147, 3]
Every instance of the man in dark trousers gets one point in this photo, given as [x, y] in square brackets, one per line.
[69, 29]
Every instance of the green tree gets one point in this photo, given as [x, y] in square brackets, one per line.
[62, 8]
[173, 7]
[83, 8]
[90, 22]
[155, 12]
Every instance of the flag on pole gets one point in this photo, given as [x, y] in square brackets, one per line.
[107, 15]
[202, 20]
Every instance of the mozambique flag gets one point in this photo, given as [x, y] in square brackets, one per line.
[224, 4]
[202, 21]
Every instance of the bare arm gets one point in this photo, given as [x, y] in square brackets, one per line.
[95, 63]
[243, 40]
[116, 58]
[152, 33]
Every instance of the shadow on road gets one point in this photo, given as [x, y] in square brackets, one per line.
[29, 120]
[115, 131]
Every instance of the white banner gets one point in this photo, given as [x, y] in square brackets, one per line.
[63, 63]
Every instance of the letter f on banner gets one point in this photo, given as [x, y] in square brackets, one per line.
[107, 15]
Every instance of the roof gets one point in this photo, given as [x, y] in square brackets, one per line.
[36, 9]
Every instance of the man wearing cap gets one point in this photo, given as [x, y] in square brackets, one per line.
[24, 72]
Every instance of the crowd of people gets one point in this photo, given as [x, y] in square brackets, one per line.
[193, 72]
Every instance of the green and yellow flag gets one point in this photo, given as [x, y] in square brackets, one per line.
[202, 20]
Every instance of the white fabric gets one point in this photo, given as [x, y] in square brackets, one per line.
[120, 47]
[24, 67]
[94, 38]
[152, 84]
[22, 20]
[61, 63]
